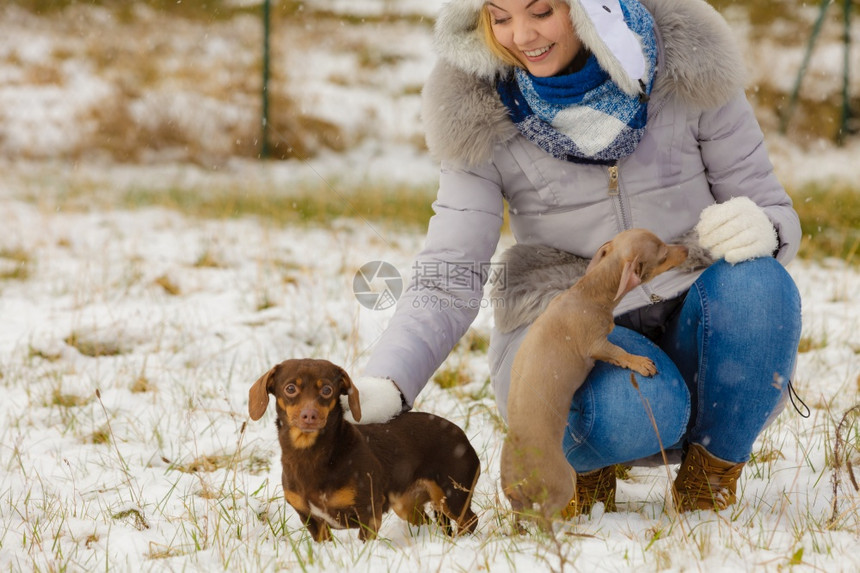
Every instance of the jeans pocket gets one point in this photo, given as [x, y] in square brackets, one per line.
[580, 420]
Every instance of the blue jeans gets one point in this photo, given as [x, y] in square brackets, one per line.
[723, 364]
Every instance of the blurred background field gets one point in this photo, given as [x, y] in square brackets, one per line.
[182, 79]
[178, 84]
[153, 264]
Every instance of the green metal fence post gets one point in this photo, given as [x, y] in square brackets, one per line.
[846, 102]
[264, 150]
[816, 29]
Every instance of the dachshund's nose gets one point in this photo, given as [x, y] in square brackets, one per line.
[310, 416]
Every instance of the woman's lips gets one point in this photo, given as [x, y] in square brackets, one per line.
[538, 54]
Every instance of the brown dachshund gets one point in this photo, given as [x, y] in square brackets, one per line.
[339, 475]
[554, 359]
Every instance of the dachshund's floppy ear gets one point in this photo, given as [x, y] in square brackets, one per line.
[630, 278]
[258, 395]
[351, 392]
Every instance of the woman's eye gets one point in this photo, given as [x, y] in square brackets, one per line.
[546, 14]
[499, 21]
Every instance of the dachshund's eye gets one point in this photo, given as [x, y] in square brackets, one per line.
[291, 390]
[326, 391]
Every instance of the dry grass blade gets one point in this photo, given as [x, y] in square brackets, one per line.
[125, 469]
[838, 454]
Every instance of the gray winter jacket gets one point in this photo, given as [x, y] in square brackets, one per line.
[702, 145]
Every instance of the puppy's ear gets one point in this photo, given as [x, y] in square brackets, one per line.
[630, 278]
[604, 250]
[258, 395]
[351, 392]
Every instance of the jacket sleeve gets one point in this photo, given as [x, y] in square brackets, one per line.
[447, 282]
[737, 163]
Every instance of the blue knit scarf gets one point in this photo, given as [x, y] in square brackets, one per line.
[584, 117]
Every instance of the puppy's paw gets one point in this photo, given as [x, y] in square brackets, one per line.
[642, 365]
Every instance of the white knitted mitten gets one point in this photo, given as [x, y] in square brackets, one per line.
[737, 230]
[380, 400]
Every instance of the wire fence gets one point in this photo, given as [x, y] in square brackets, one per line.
[846, 125]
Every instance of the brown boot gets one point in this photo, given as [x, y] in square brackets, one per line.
[592, 487]
[705, 481]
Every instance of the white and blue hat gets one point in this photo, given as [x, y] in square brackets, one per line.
[600, 25]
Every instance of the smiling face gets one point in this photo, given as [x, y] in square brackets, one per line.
[538, 33]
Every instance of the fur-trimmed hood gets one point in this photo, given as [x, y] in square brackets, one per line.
[699, 62]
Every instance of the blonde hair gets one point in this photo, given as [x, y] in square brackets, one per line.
[485, 27]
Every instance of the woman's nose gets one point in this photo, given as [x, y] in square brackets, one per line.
[523, 32]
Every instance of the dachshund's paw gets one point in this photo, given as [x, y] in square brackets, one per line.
[642, 365]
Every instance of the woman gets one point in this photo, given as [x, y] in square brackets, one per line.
[590, 117]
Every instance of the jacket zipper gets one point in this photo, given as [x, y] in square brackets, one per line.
[615, 191]
[613, 180]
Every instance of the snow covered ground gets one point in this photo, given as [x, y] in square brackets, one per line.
[129, 340]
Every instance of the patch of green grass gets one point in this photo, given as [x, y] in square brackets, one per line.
[767, 456]
[208, 9]
[133, 516]
[409, 206]
[829, 215]
[830, 221]
[42, 6]
[301, 9]
[456, 373]
[760, 13]
[451, 377]
[222, 9]
[811, 118]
